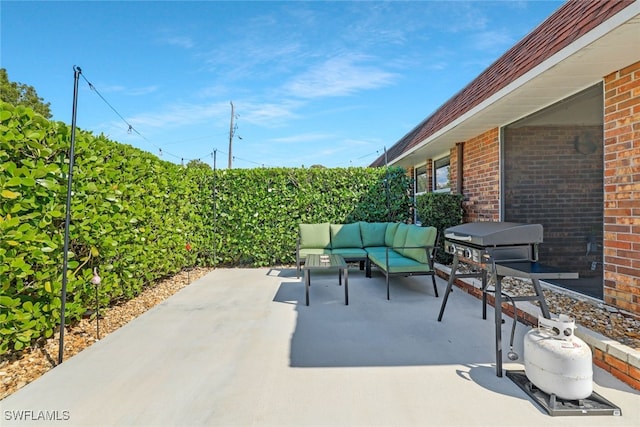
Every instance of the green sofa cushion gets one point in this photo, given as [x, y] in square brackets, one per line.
[345, 236]
[315, 236]
[379, 258]
[376, 249]
[373, 233]
[350, 253]
[399, 264]
[419, 236]
[315, 251]
[392, 227]
[400, 237]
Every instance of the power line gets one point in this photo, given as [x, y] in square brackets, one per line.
[161, 152]
[130, 127]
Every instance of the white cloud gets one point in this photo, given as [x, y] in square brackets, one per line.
[339, 76]
[180, 41]
[267, 114]
[214, 91]
[215, 114]
[179, 115]
[111, 88]
[252, 58]
[303, 137]
[142, 90]
[145, 90]
[351, 142]
[493, 40]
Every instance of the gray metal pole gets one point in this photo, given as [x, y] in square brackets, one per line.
[63, 297]
[214, 208]
[386, 186]
[231, 138]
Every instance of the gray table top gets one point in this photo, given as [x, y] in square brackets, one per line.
[317, 262]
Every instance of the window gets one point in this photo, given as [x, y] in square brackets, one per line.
[441, 175]
[421, 179]
[421, 186]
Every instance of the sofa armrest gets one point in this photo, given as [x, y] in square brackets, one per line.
[429, 253]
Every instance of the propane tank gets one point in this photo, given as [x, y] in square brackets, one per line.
[556, 361]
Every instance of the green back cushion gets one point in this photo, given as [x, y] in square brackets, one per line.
[345, 236]
[373, 233]
[391, 231]
[420, 236]
[400, 236]
[314, 236]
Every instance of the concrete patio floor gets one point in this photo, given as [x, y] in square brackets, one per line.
[239, 347]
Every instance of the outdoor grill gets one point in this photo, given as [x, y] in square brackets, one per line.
[501, 240]
[511, 249]
[501, 249]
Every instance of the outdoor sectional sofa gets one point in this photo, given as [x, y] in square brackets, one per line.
[396, 249]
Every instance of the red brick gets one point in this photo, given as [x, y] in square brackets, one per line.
[602, 365]
[598, 354]
[617, 363]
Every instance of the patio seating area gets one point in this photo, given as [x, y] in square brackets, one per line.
[239, 347]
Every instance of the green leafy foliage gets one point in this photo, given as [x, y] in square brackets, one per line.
[440, 210]
[138, 219]
[130, 217]
[257, 211]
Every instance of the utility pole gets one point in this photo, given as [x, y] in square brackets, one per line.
[231, 137]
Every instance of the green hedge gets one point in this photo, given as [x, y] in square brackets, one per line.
[440, 210]
[129, 219]
[257, 211]
[133, 214]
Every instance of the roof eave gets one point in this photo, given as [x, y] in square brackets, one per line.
[606, 48]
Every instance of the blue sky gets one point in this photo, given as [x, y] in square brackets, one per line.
[329, 83]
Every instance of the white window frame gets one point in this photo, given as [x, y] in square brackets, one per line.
[415, 179]
[416, 193]
[446, 158]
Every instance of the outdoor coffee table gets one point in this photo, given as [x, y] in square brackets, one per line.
[326, 262]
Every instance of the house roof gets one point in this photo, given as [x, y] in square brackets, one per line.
[574, 48]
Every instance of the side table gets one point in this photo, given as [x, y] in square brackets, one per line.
[326, 262]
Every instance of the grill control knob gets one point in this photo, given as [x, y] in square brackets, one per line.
[452, 249]
[467, 253]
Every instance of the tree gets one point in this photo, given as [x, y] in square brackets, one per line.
[196, 163]
[22, 94]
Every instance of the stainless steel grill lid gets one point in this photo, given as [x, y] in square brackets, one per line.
[491, 233]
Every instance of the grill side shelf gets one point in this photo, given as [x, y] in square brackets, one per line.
[532, 270]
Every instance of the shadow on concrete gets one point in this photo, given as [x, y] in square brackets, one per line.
[404, 331]
[372, 331]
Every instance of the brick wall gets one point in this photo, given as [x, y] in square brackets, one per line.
[552, 178]
[622, 188]
[481, 171]
[429, 175]
[453, 166]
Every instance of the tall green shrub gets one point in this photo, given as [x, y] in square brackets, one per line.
[130, 217]
[440, 210]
